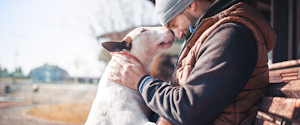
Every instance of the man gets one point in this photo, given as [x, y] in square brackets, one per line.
[221, 72]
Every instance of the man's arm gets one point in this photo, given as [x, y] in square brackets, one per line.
[226, 61]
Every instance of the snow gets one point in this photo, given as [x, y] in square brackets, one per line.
[64, 32]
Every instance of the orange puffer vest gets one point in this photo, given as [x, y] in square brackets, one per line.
[244, 108]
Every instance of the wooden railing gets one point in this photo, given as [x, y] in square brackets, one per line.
[281, 103]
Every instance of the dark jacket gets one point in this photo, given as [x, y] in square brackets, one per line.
[222, 71]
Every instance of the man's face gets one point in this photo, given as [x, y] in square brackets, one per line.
[180, 24]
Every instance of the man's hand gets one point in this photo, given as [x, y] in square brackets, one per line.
[126, 72]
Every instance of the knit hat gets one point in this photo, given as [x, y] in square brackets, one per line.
[166, 10]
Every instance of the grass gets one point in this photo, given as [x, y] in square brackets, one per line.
[69, 113]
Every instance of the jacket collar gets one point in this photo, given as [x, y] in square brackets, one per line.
[216, 7]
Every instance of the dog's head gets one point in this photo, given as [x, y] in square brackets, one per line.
[143, 42]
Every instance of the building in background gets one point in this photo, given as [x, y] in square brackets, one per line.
[18, 74]
[3, 72]
[54, 74]
[14, 77]
[48, 74]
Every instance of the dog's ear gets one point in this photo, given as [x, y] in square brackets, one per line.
[116, 46]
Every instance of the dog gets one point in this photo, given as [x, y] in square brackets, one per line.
[117, 104]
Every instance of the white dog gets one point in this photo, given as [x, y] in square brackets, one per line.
[119, 105]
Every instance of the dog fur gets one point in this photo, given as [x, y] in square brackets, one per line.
[119, 105]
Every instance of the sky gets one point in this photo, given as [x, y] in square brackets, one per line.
[63, 32]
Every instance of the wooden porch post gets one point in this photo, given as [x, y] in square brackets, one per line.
[297, 29]
[285, 19]
[279, 21]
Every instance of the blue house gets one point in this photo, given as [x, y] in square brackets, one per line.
[48, 74]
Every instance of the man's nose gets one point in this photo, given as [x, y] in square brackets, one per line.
[178, 34]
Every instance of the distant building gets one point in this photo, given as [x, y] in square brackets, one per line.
[48, 74]
[18, 74]
[3, 72]
[15, 77]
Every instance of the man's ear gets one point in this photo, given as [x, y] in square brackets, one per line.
[116, 46]
[193, 6]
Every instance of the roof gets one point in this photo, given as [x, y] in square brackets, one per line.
[48, 73]
[17, 74]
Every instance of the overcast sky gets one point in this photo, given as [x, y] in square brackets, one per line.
[62, 32]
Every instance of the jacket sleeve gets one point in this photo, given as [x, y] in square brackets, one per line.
[226, 61]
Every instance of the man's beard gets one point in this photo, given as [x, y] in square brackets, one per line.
[189, 16]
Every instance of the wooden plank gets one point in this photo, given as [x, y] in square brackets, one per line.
[288, 108]
[290, 74]
[275, 79]
[263, 118]
[279, 79]
[284, 75]
[263, 122]
[267, 119]
[289, 78]
[283, 71]
[289, 90]
[284, 64]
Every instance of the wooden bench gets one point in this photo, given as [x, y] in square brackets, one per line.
[281, 103]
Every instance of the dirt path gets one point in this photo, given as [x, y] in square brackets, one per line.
[16, 116]
[14, 113]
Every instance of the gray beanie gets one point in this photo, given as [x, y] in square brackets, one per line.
[166, 10]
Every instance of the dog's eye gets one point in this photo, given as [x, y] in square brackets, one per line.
[143, 30]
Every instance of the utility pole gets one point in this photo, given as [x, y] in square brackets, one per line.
[77, 63]
[16, 55]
